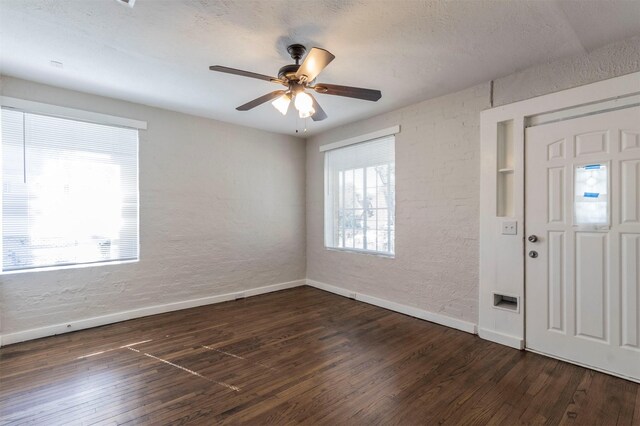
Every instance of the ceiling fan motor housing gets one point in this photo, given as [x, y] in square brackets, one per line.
[288, 72]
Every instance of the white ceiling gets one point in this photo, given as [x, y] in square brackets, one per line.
[158, 53]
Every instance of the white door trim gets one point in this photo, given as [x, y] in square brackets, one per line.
[502, 256]
[618, 87]
[584, 110]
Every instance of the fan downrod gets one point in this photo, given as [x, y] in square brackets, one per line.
[296, 51]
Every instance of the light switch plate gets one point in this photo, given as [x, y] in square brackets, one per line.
[509, 227]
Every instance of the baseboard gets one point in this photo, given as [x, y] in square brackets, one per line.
[503, 339]
[397, 307]
[591, 367]
[51, 330]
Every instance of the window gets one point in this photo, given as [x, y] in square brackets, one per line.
[360, 197]
[69, 192]
[591, 199]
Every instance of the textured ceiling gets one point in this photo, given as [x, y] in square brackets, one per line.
[158, 53]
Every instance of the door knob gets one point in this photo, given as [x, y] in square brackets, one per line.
[533, 254]
[532, 238]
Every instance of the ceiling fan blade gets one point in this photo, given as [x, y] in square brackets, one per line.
[348, 91]
[314, 63]
[262, 99]
[242, 73]
[319, 115]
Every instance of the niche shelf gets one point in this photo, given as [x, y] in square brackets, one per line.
[504, 187]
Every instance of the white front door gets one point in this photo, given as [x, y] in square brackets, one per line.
[583, 271]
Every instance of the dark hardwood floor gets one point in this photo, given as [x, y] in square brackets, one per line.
[297, 356]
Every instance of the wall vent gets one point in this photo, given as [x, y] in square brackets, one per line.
[506, 302]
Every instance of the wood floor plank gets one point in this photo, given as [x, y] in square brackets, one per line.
[299, 356]
[636, 410]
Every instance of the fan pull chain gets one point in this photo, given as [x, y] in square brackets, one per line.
[304, 130]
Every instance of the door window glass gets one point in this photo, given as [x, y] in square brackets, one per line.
[591, 195]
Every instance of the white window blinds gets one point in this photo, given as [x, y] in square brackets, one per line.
[360, 196]
[69, 192]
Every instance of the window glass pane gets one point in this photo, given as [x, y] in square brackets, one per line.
[363, 177]
[349, 233]
[382, 242]
[341, 229]
[371, 231]
[591, 195]
[382, 172]
[358, 178]
[358, 215]
[70, 192]
[341, 190]
[372, 198]
[348, 189]
[372, 177]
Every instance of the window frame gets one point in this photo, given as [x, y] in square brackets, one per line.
[331, 189]
[38, 108]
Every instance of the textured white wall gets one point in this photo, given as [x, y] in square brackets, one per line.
[610, 61]
[437, 189]
[221, 210]
[437, 170]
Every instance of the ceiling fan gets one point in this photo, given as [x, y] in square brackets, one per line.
[297, 78]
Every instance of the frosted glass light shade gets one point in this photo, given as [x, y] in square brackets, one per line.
[282, 103]
[307, 113]
[304, 105]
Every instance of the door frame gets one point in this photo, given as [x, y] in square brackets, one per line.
[502, 134]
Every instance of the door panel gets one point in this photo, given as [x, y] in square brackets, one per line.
[630, 140]
[556, 281]
[592, 143]
[556, 195]
[583, 288]
[630, 187]
[556, 150]
[591, 285]
[630, 294]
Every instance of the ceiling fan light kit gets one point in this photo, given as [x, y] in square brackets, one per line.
[304, 104]
[282, 103]
[297, 78]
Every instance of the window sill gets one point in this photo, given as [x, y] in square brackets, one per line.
[366, 252]
[72, 266]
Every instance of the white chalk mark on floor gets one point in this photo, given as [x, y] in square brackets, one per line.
[223, 352]
[226, 385]
[136, 343]
[238, 357]
[113, 349]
